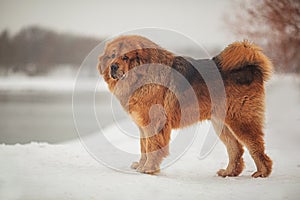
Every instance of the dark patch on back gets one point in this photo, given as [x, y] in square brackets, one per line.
[194, 71]
[184, 67]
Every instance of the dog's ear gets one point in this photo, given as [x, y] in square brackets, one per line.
[100, 65]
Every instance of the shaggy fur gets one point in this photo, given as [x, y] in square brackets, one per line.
[156, 110]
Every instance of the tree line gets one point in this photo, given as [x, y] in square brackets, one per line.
[35, 50]
[274, 25]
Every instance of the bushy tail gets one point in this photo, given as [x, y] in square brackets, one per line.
[241, 54]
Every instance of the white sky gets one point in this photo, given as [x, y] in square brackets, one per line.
[200, 20]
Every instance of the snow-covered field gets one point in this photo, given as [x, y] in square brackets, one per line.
[67, 171]
[45, 84]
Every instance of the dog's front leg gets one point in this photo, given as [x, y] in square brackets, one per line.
[156, 148]
[155, 136]
[139, 165]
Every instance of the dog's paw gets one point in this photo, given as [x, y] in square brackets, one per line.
[265, 168]
[149, 169]
[138, 166]
[225, 173]
[135, 165]
[260, 174]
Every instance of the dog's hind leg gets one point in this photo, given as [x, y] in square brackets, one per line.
[234, 149]
[251, 135]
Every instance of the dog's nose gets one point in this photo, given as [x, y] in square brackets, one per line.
[114, 67]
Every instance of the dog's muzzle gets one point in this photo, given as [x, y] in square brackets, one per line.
[114, 70]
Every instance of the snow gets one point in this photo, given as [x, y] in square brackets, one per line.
[19, 83]
[68, 171]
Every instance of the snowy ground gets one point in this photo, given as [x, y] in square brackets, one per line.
[48, 84]
[67, 171]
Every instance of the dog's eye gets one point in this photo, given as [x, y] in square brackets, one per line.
[113, 55]
[125, 58]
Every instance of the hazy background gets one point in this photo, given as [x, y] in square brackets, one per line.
[199, 19]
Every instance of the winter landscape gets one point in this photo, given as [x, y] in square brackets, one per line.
[63, 135]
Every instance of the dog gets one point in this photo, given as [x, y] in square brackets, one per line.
[145, 78]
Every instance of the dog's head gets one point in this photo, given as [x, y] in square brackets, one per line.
[126, 52]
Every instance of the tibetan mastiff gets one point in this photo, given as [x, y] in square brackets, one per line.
[156, 87]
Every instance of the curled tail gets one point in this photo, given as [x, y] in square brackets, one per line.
[239, 55]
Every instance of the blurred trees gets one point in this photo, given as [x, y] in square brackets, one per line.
[274, 25]
[35, 50]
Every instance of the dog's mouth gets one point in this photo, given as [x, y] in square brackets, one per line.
[118, 75]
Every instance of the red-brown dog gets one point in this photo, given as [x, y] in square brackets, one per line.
[244, 70]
